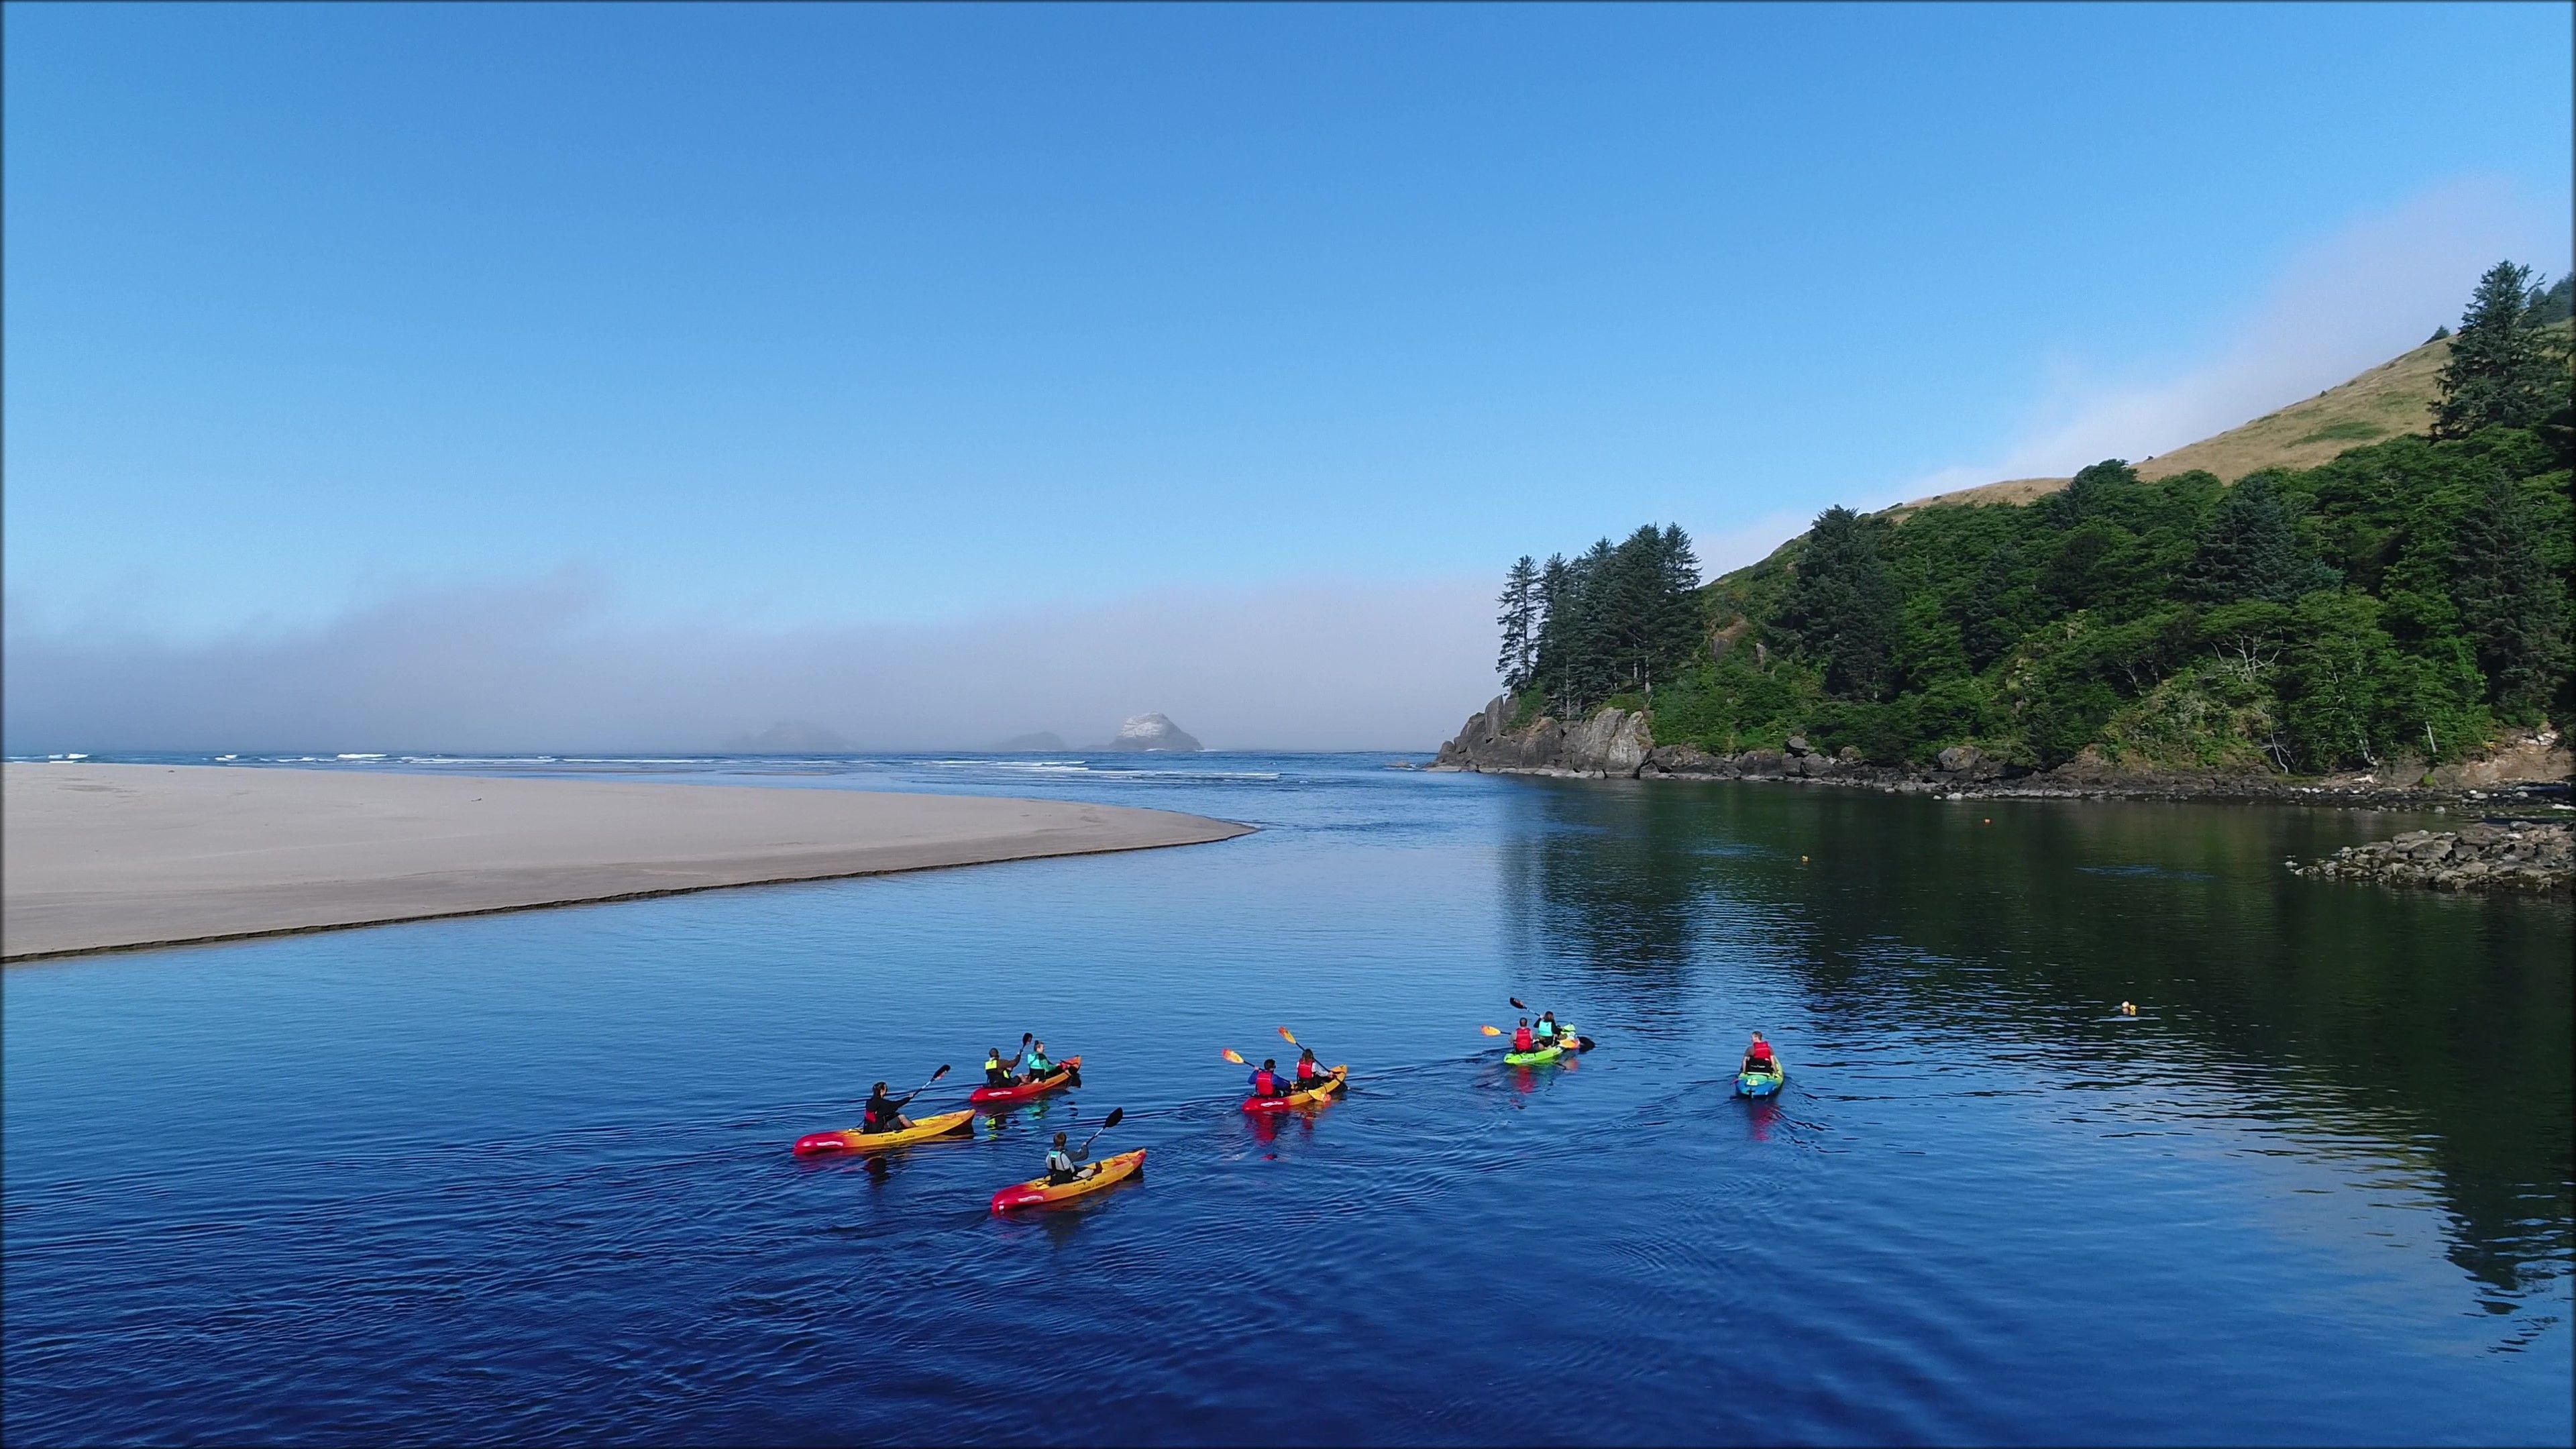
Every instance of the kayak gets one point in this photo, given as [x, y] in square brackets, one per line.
[1333, 1082]
[1761, 1084]
[1039, 1088]
[1547, 1053]
[1038, 1192]
[854, 1140]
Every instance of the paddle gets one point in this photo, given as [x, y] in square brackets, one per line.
[924, 1087]
[1112, 1120]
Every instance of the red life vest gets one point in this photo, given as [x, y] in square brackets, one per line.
[1522, 1041]
[1308, 1071]
[1265, 1084]
[1760, 1051]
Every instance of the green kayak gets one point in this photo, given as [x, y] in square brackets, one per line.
[1546, 1054]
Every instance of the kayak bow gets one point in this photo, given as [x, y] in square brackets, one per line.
[1762, 1084]
[854, 1140]
[1333, 1082]
[1038, 1192]
[1039, 1088]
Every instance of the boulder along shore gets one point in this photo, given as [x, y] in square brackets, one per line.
[1619, 744]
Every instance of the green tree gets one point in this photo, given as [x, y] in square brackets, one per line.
[2346, 688]
[2252, 549]
[1519, 623]
[2512, 604]
[2504, 370]
[1842, 606]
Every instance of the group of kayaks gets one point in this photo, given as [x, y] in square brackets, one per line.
[1108, 1171]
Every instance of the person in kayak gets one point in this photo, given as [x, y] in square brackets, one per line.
[1310, 1072]
[885, 1114]
[1551, 1032]
[1523, 1039]
[1060, 1164]
[1758, 1057]
[1266, 1080]
[1036, 1064]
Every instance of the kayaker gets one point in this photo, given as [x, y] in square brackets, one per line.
[1060, 1163]
[1758, 1057]
[1310, 1072]
[1523, 1041]
[885, 1114]
[997, 1072]
[1037, 1064]
[1266, 1081]
[1552, 1032]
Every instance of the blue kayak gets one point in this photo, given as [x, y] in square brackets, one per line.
[1761, 1084]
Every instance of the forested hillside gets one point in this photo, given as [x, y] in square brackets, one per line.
[2405, 600]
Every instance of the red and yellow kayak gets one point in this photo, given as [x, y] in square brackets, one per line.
[854, 1140]
[1039, 1192]
[1333, 1082]
[1039, 1088]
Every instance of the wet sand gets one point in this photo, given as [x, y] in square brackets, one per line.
[111, 857]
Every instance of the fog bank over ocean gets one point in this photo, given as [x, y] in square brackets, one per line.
[551, 664]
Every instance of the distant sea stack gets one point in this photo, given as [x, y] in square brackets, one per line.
[801, 738]
[1151, 732]
[1044, 742]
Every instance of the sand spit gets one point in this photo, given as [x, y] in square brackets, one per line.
[111, 857]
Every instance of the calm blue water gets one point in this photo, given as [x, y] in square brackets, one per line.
[526, 1177]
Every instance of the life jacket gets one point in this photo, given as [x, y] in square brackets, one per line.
[1760, 1051]
[1546, 1030]
[1264, 1083]
[1059, 1163]
[1522, 1041]
[882, 1113]
[1309, 1070]
[1040, 1066]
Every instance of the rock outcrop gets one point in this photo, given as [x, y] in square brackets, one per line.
[1151, 732]
[1613, 742]
[2490, 855]
[1619, 743]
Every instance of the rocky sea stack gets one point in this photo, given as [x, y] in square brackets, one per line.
[1152, 732]
[2490, 855]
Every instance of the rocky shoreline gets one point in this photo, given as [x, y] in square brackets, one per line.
[1619, 744]
[2488, 855]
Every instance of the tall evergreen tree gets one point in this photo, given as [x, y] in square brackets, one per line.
[2504, 370]
[1842, 606]
[1519, 622]
[2511, 602]
[2253, 550]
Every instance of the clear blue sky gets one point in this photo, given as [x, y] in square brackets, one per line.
[815, 314]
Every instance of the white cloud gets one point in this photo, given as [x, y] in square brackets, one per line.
[546, 665]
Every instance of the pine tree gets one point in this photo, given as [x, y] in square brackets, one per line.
[2511, 602]
[2253, 550]
[2504, 371]
[1519, 621]
[1842, 606]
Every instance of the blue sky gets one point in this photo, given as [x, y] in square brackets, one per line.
[814, 317]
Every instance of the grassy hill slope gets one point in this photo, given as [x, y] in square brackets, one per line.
[2394, 398]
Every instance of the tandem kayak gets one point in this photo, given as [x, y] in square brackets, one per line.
[1039, 1192]
[1548, 1053]
[1761, 1084]
[855, 1140]
[1065, 1072]
[1333, 1082]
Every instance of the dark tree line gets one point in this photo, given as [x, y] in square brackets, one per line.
[1620, 618]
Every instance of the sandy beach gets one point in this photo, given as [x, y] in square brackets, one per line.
[109, 857]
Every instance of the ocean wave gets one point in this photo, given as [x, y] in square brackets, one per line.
[361, 757]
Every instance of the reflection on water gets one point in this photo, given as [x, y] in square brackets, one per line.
[526, 1177]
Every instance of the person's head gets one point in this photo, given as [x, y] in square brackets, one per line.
[1040, 1046]
[877, 1090]
[1306, 1054]
[1757, 1036]
[1059, 1139]
[1548, 1017]
[995, 1052]
[1524, 1021]
[1270, 1064]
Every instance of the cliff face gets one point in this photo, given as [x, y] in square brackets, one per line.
[1611, 743]
[1620, 744]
